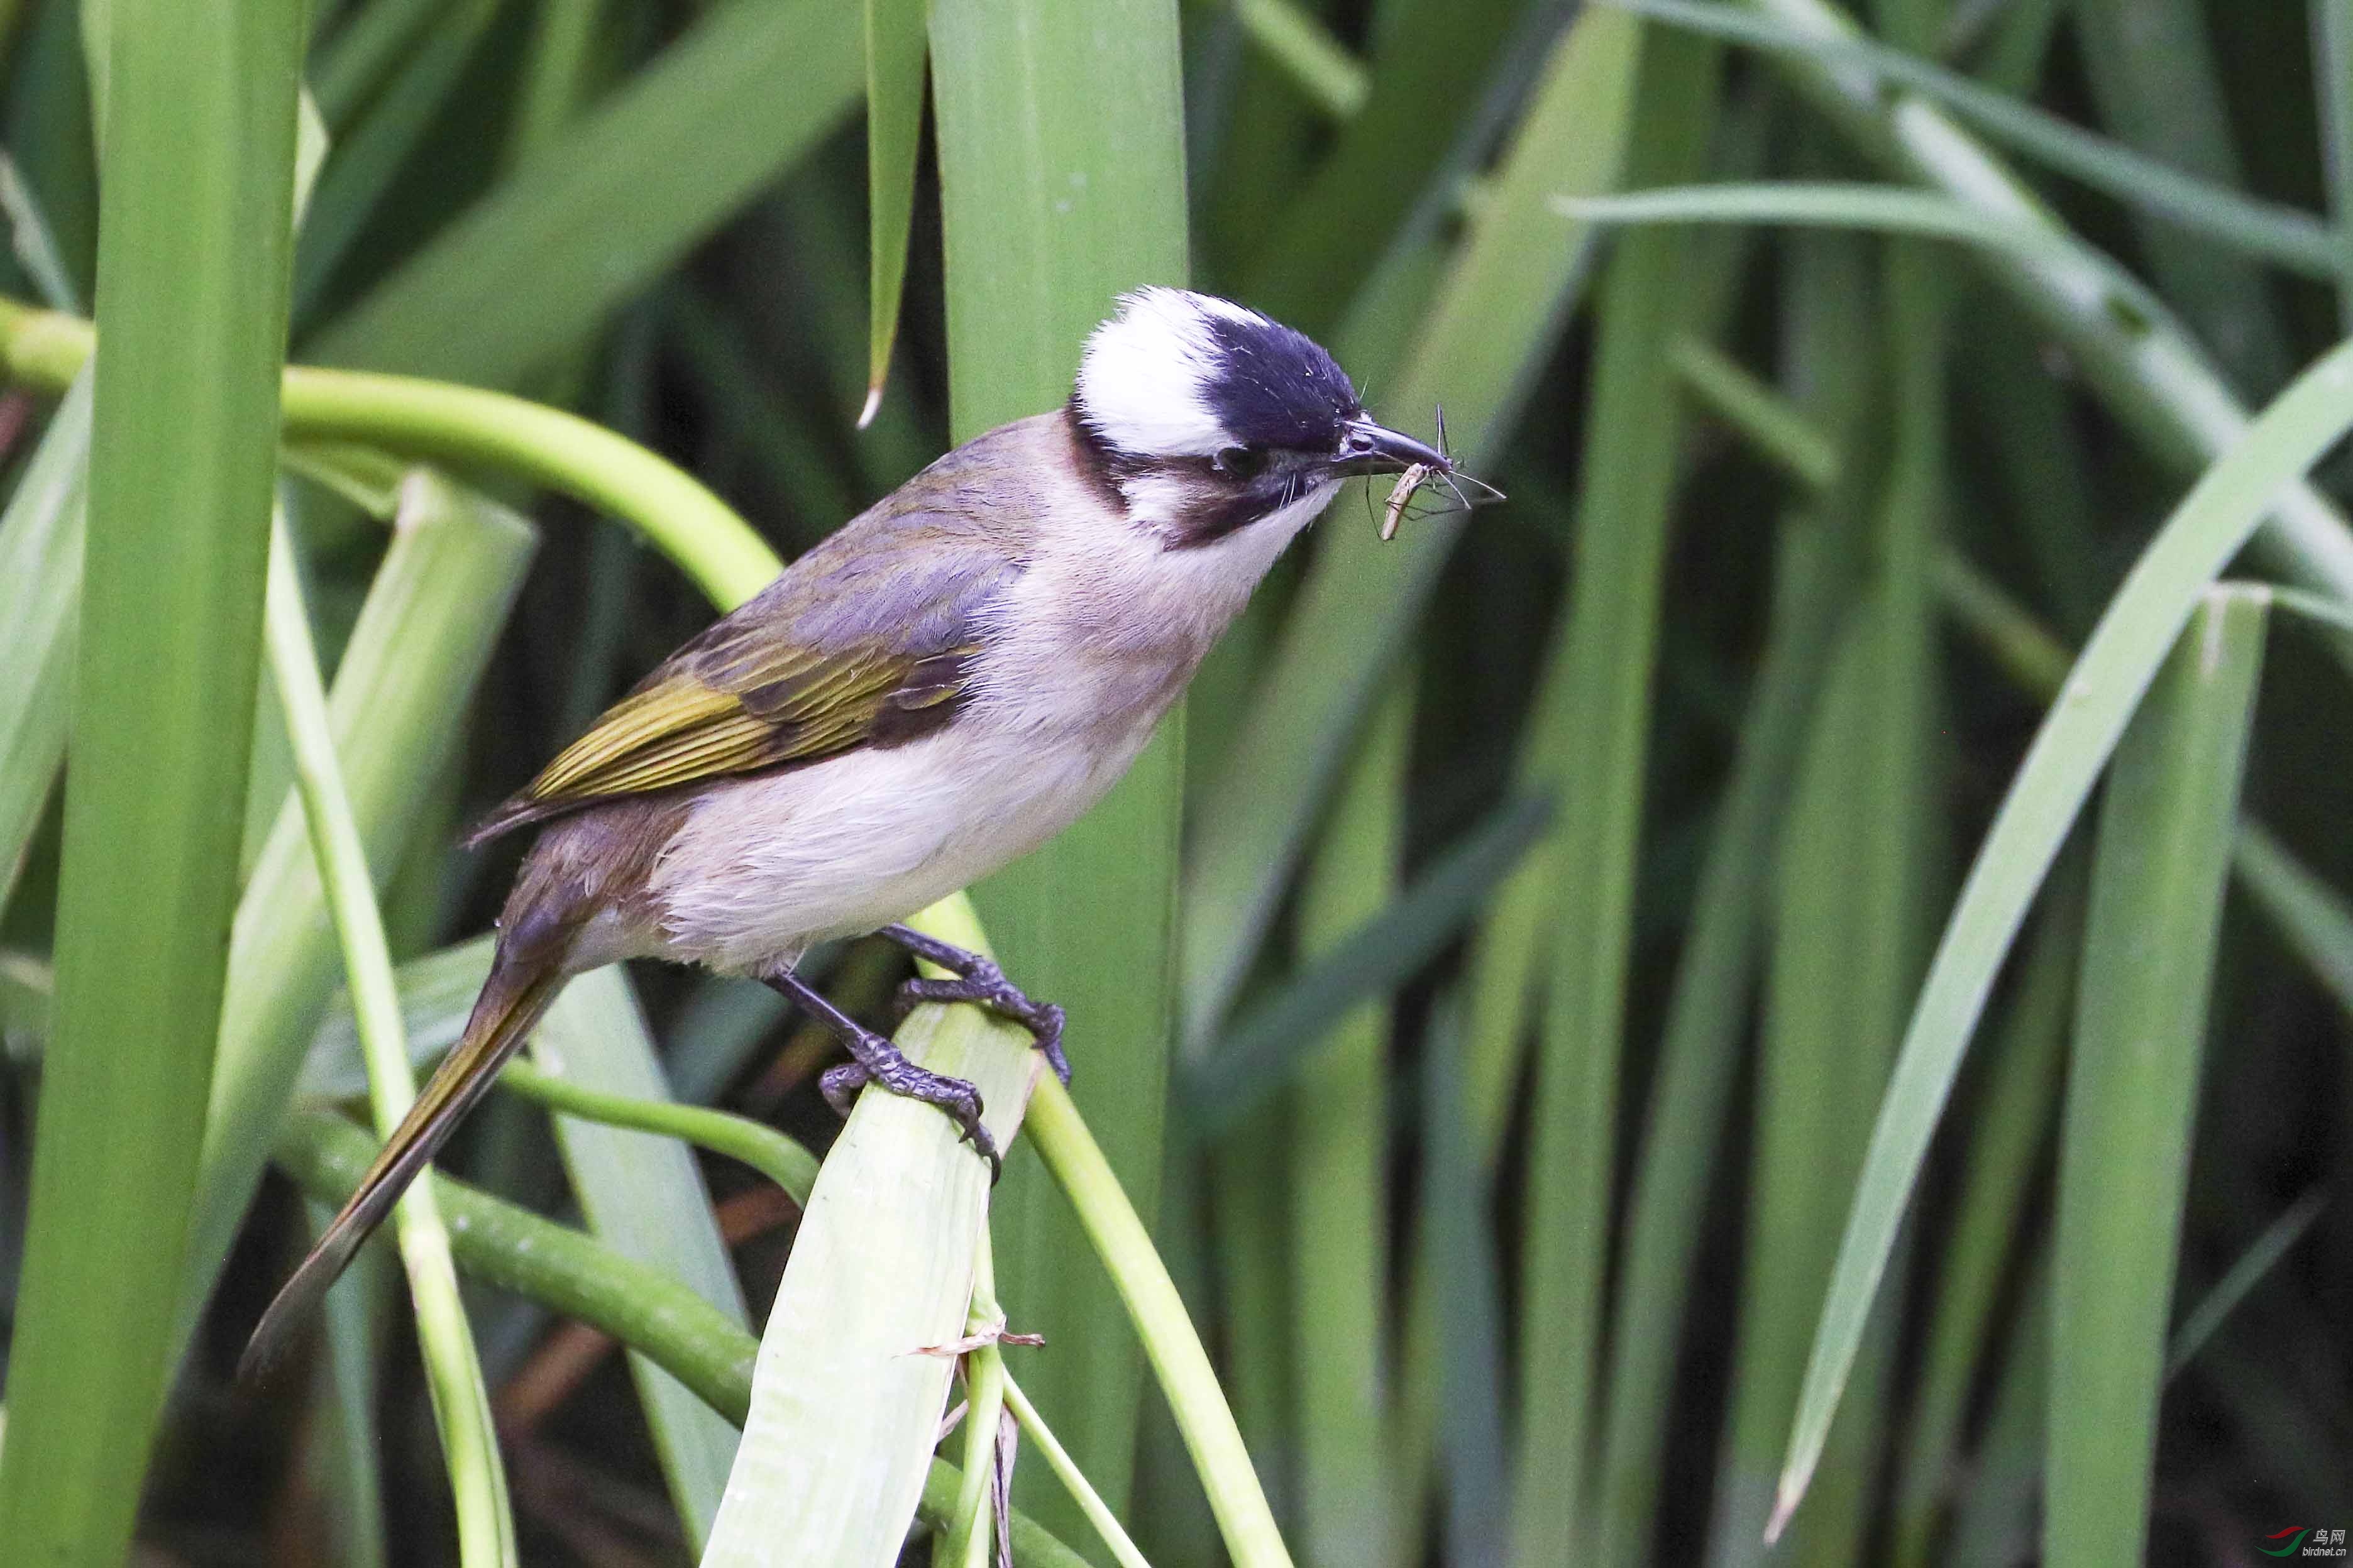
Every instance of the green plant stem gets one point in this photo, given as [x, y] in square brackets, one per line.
[461, 1404]
[1182, 1367]
[780, 1159]
[401, 689]
[466, 425]
[573, 1274]
[964, 1544]
[1074, 1481]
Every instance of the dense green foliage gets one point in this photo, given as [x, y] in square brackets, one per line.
[1675, 1007]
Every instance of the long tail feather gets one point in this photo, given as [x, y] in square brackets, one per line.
[511, 1001]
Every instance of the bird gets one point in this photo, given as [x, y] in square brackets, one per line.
[938, 688]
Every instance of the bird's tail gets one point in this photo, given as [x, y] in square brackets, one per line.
[518, 991]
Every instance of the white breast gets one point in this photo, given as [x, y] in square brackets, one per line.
[764, 866]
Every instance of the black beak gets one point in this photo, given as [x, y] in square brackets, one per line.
[1369, 448]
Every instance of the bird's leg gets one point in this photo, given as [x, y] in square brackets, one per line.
[979, 981]
[876, 1059]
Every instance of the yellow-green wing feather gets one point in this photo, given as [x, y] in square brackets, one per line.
[867, 640]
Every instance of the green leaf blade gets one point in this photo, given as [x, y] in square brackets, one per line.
[2116, 666]
[895, 49]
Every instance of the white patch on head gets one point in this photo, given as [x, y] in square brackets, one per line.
[1143, 382]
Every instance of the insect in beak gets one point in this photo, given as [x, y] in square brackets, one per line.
[1415, 466]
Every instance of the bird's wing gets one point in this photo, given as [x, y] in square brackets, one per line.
[867, 640]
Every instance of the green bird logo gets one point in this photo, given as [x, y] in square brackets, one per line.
[2296, 1535]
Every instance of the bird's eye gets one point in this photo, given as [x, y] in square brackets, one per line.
[1239, 462]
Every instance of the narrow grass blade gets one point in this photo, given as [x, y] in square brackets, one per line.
[1042, 229]
[461, 1404]
[1267, 1045]
[964, 1544]
[35, 242]
[532, 269]
[196, 209]
[1339, 1160]
[2152, 68]
[894, 129]
[573, 1274]
[2007, 1138]
[400, 695]
[1787, 439]
[2069, 752]
[1608, 645]
[1708, 1012]
[40, 589]
[53, 142]
[2207, 206]
[28, 986]
[2332, 70]
[846, 1405]
[2166, 828]
[1474, 1453]
[1885, 209]
[1812, 1109]
[1503, 305]
[2278, 1240]
[642, 1195]
[562, 72]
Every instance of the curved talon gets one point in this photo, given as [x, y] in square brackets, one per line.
[958, 1101]
[840, 1085]
[980, 982]
[874, 1059]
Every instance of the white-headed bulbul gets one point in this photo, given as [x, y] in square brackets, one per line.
[939, 688]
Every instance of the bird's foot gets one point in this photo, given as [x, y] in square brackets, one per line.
[874, 1059]
[954, 1097]
[979, 981]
